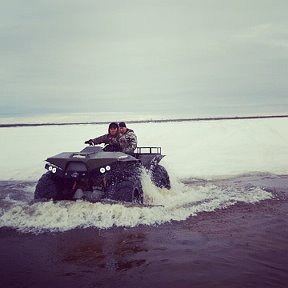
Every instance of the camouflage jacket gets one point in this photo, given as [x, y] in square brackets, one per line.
[106, 139]
[128, 142]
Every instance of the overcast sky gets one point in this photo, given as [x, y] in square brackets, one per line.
[164, 56]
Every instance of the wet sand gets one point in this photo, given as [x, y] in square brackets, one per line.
[244, 245]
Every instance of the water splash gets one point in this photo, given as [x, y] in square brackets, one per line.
[161, 205]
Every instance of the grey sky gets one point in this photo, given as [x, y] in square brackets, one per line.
[147, 56]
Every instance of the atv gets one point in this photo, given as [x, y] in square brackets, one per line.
[97, 173]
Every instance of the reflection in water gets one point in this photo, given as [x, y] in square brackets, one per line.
[112, 253]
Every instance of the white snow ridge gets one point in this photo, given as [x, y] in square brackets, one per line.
[204, 149]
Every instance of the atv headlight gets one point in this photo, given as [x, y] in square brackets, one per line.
[108, 168]
[102, 170]
[53, 168]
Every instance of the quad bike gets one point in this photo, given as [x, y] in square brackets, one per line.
[97, 173]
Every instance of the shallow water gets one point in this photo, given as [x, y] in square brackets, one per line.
[239, 245]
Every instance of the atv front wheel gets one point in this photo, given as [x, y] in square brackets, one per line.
[128, 191]
[48, 187]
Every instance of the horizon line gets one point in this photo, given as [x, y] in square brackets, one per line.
[145, 121]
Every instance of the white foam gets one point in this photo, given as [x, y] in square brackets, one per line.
[172, 204]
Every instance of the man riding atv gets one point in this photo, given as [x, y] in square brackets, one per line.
[111, 139]
[127, 140]
[119, 138]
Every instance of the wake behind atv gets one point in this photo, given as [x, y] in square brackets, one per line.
[94, 174]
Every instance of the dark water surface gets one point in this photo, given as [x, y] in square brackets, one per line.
[245, 245]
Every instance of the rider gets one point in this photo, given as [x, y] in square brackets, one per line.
[127, 140]
[111, 139]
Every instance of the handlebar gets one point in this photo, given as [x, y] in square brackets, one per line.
[90, 142]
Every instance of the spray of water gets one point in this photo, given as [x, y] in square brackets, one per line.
[160, 206]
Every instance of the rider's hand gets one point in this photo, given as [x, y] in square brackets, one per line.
[90, 142]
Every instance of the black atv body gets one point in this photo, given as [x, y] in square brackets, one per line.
[95, 174]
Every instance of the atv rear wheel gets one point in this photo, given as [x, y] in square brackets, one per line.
[160, 177]
[129, 190]
[48, 187]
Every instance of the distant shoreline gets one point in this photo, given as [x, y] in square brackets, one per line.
[13, 125]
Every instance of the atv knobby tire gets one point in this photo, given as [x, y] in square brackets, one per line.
[48, 187]
[129, 190]
[160, 177]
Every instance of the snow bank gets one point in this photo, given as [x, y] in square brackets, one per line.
[204, 149]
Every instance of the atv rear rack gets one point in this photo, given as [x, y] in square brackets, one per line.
[148, 150]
